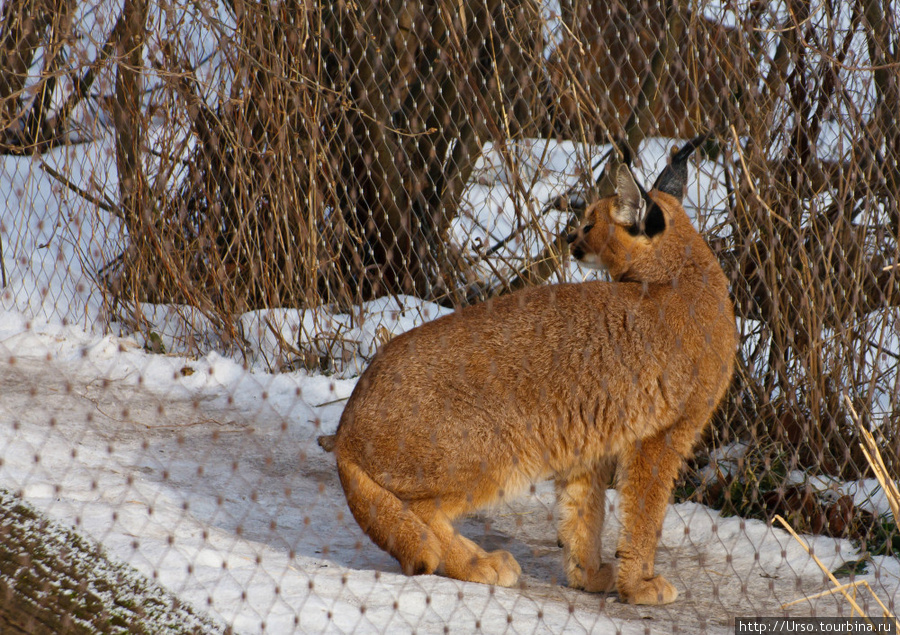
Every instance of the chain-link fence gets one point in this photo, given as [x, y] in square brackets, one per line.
[216, 214]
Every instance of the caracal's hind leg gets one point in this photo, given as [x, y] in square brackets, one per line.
[461, 558]
[649, 472]
[420, 534]
[581, 501]
[388, 521]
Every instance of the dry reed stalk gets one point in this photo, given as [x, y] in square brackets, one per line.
[873, 456]
[851, 585]
[838, 587]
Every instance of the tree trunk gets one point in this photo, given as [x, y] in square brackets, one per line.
[27, 27]
[421, 93]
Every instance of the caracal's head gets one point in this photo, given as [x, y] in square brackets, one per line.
[641, 236]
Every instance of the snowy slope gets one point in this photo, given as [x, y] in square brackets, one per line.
[207, 478]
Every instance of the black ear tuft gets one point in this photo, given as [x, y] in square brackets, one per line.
[625, 152]
[673, 179]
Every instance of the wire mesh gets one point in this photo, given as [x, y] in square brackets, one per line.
[216, 215]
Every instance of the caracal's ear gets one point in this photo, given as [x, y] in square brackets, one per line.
[673, 179]
[631, 202]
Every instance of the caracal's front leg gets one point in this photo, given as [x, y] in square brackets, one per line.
[645, 486]
[581, 499]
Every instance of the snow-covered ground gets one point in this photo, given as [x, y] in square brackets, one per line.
[206, 477]
[204, 474]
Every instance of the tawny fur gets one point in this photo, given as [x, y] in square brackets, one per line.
[561, 381]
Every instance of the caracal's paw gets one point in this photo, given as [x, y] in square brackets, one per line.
[602, 580]
[498, 568]
[426, 560]
[655, 590]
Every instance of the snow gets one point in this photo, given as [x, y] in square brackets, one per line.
[212, 484]
[203, 472]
